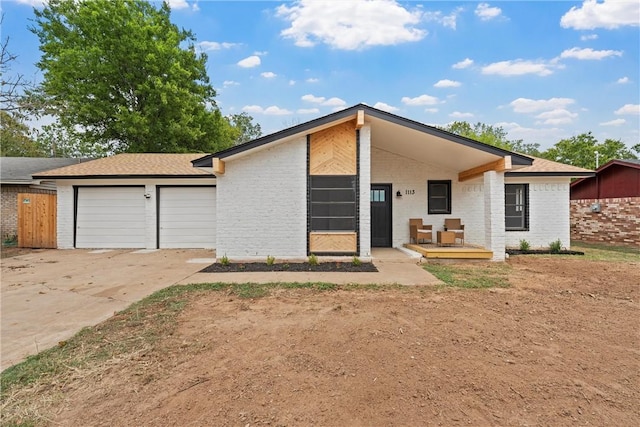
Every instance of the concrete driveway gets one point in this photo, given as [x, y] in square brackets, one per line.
[49, 295]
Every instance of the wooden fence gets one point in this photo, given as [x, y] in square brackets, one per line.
[37, 220]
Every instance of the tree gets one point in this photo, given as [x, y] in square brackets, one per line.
[120, 77]
[492, 135]
[581, 151]
[247, 129]
[15, 138]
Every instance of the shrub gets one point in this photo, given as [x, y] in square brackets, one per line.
[356, 261]
[524, 245]
[224, 260]
[271, 260]
[313, 260]
[555, 247]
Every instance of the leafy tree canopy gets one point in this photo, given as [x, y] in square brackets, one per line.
[492, 135]
[581, 151]
[248, 130]
[120, 77]
[15, 138]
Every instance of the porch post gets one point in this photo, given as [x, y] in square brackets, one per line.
[494, 228]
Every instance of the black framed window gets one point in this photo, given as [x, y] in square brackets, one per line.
[439, 197]
[516, 207]
[333, 203]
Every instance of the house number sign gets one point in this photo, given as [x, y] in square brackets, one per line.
[409, 191]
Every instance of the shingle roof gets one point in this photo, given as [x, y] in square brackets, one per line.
[18, 170]
[133, 164]
[544, 167]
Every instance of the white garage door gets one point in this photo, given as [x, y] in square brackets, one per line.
[110, 217]
[187, 217]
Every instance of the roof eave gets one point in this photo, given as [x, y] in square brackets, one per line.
[544, 174]
[57, 177]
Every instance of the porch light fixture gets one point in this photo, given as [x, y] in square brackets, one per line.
[398, 194]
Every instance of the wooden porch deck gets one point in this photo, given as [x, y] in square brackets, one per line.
[431, 251]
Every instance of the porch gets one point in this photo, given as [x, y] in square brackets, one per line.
[432, 251]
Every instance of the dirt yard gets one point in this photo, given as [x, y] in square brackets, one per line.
[560, 346]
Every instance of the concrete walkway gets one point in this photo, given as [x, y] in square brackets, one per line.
[394, 267]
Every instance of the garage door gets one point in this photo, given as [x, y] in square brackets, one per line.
[110, 217]
[187, 217]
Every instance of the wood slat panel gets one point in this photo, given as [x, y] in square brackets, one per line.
[333, 151]
[37, 220]
[332, 242]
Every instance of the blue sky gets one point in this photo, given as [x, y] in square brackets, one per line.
[542, 70]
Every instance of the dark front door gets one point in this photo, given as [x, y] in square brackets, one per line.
[380, 215]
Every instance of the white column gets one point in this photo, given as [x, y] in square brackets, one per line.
[65, 220]
[365, 191]
[494, 227]
[151, 218]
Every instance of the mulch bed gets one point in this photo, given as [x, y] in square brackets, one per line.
[347, 267]
[542, 252]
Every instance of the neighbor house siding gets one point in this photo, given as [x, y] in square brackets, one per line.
[407, 174]
[262, 204]
[548, 213]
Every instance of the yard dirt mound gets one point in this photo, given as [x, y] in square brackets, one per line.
[559, 347]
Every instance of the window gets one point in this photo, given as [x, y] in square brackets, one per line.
[333, 203]
[516, 206]
[439, 197]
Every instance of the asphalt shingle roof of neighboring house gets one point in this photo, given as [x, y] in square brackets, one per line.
[133, 165]
[18, 170]
[544, 167]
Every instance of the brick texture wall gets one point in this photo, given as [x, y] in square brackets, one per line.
[9, 207]
[617, 223]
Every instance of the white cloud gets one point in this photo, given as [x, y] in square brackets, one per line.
[385, 107]
[420, 100]
[260, 53]
[268, 75]
[292, 82]
[538, 134]
[308, 111]
[519, 67]
[587, 37]
[607, 14]
[486, 12]
[182, 4]
[350, 25]
[314, 99]
[33, 3]
[623, 80]
[465, 63]
[615, 122]
[269, 111]
[449, 20]
[331, 102]
[431, 110]
[250, 62]
[447, 83]
[526, 105]
[334, 102]
[228, 83]
[207, 46]
[588, 53]
[459, 115]
[312, 80]
[559, 116]
[628, 109]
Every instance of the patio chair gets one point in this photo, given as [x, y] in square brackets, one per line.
[418, 231]
[455, 225]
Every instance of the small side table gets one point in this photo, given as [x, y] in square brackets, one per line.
[445, 238]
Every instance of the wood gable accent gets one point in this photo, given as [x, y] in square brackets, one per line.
[499, 165]
[218, 166]
[333, 150]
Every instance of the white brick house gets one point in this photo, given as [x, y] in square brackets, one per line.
[336, 185]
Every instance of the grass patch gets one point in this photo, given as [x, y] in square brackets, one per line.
[471, 276]
[602, 252]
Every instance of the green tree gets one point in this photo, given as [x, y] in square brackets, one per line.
[492, 135]
[581, 151]
[120, 77]
[247, 129]
[15, 138]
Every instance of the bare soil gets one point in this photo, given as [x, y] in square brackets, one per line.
[561, 346]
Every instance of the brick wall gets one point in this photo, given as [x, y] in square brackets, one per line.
[617, 223]
[9, 207]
